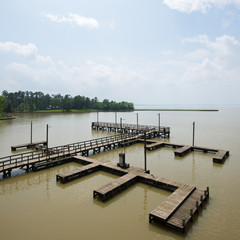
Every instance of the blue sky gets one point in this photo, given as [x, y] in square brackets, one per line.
[146, 52]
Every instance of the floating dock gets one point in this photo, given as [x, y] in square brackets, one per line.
[29, 145]
[181, 150]
[176, 211]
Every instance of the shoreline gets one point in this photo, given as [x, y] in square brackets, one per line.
[180, 110]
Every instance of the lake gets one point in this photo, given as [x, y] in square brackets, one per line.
[34, 206]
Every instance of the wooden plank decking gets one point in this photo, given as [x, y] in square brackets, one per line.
[114, 187]
[28, 145]
[176, 211]
[78, 172]
[181, 150]
[167, 208]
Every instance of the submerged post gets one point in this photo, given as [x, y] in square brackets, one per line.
[193, 133]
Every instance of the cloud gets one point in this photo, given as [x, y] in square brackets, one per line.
[208, 74]
[218, 62]
[189, 6]
[74, 19]
[100, 77]
[224, 44]
[24, 50]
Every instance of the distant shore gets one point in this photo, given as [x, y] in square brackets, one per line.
[176, 109]
[94, 110]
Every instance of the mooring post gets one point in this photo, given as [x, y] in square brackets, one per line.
[193, 133]
[159, 127]
[183, 222]
[197, 205]
[145, 152]
[115, 117]
[191, 212]
[97, 117]
[31, 134]
[47, 136]
[137, 120]
[121, 124]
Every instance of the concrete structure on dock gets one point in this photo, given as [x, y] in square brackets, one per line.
[176, 211]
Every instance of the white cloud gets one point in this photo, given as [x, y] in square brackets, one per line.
[100, 77]
[24, 50]
[224, 44]
[189, 6]
[74, 19]
[201, 75]
[218, 62]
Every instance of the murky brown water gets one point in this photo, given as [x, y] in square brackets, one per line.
[34, 206]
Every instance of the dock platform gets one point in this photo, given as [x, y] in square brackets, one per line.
[176, 211]
[114, 187]
[181, 150]
[28, 145]
[159, 131]
[78, 172]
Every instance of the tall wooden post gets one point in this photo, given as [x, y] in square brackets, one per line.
[137, 121]
[159, 127]
[121, 124]
[47, 136]
[193, 133]
[31, 134]
[97, 117]
[115, 117]
[145, 152]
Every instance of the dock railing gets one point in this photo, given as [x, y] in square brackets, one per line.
[129, 126]
[27, 158]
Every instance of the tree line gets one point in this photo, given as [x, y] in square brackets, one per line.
[28, 101]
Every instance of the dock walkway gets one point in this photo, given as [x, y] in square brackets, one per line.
[57, 155]
[176, 211]
[159, 131]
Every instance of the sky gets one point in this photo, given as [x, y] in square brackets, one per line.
[141, 51]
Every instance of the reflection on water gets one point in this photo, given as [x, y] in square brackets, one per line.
[34, 204]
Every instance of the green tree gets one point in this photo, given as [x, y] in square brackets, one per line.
[2, 101]
[67, 103]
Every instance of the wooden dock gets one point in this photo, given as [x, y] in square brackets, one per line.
[29, 145]
[78, 172]
[60, 154]
[159, 131]
[181, 150]
[176, 211]
[114, 187]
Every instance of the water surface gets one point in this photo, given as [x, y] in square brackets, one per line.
[33, 205]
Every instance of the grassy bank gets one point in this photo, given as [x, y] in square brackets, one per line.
[79, 111]
[7, 118]
[61, 111]
[186, 110]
